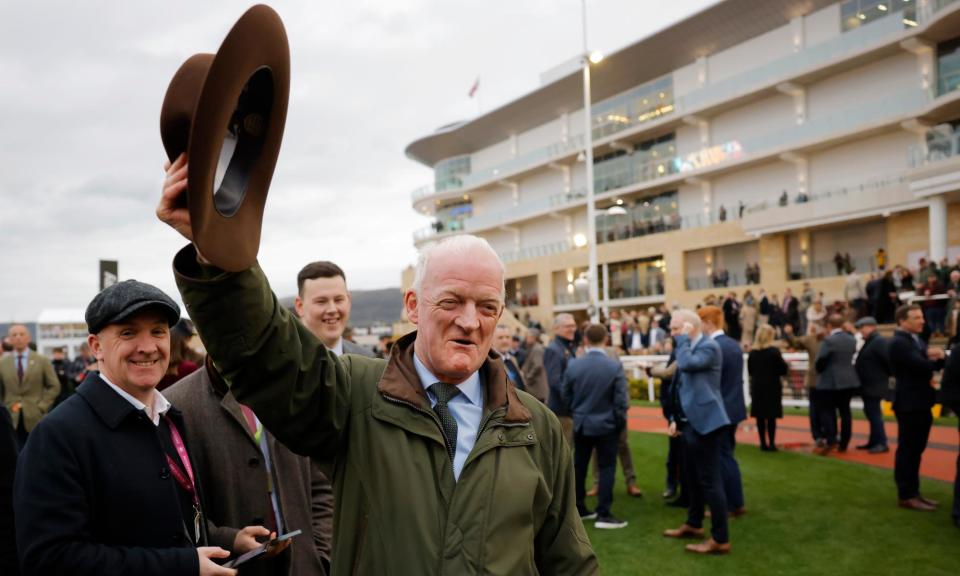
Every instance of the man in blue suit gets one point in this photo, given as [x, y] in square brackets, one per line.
[731, 387]
[699, 364]
[595, 392]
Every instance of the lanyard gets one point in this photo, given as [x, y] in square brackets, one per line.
[184, 480]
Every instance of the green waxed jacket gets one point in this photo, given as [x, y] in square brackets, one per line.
[399, 510]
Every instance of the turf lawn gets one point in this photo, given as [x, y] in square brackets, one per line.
[807, 515]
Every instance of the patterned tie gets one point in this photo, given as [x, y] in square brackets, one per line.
[444, 393]
[20, 368]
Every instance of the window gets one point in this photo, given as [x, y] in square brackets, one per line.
[857, 13]
[723, 266]
[948, 66]
[447, 173]
[636, 278]
[650, 215]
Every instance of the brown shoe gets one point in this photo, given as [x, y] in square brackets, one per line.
[684, 531]
[824, 450]
[928, 501]
[635, 491]
[916, 503]
[709, 546]
[738, 512]
[593, 491]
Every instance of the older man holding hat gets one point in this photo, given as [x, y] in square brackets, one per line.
[106, 485]
[873, 370]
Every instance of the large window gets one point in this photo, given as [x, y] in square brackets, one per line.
[571, 286]
[522, 292]
[836, 250]
[948, 66]
[447, 173]
[450, 217]
[636, 278]
[643, 216]
[641, 104]
[723, 266]
[857, 13]
[649, 159]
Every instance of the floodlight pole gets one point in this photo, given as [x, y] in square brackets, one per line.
[594, 297]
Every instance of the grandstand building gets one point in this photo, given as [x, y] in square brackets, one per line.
[777, 133]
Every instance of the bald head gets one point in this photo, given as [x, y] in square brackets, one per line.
[19, 337]
[469, 253]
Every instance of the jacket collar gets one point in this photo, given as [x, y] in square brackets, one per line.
[228, 402]
[108, 405]
[401, 382]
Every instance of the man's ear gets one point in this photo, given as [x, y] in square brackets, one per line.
[93, 341]
[298, 306]
[410, 303]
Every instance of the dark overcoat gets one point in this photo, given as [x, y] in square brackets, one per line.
[93, 495]
[766, 367]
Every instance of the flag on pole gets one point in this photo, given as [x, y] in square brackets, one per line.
[474, 88]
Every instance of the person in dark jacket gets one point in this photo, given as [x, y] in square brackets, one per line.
[836, 382]
[873, 370]
[913, 366]
[105, 485]
[731, 388]
[676, 485]
[8, 466]
[595, 393]
[555, 357]
[767, 368]
[950, 396]
[254, 484]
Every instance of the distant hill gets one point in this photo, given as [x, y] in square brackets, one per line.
[370, 307]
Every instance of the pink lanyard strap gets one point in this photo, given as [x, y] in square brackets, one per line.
[182, 479]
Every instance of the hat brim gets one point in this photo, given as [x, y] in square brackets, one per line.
[226, 222]
[172, 314]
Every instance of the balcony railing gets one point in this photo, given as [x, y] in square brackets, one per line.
[525, 210]
[536, 251]
[942, 144]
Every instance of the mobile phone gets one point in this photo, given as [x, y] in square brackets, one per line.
[257, 552]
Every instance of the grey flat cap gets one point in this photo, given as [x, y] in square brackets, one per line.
[865, 321]
[125, 298]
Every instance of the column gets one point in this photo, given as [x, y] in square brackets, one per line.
[938, 227]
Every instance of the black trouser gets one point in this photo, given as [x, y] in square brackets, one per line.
[832, 402]
[706, 483]
[675, 464]
[767, 427]
[606, 447]
[815, 424]
[874, 413]
[913, 430]
[21, 430]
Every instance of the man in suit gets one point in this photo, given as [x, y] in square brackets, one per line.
[913, 366]
[254, 484]
[595, 393]
[791, 310]
[731, 387]
[503, 344]
[106, 484]
[836, 382]
[560, 350]
[28, 381]
[534, 373]
[950, 386]
[677, 489]
[699, 365]
[323, 305]
[873, 371]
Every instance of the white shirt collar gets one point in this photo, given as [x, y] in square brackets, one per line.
[160, 404]
[469, 388]
[714, 334]
[25, 353]
[696, 340]
[338, 347]
[589, 349]
[836, 330]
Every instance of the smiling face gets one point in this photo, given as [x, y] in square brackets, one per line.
[503, 340]
[134, 354]
[456, 312]
[324, 308]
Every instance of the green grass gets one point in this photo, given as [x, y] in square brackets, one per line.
[807, 516]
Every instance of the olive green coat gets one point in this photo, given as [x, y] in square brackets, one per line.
[399, 510]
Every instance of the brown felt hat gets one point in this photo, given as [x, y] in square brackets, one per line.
[227, 111]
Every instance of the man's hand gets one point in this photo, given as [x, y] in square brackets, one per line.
[687, 329]
[210, 568]
[672, 430]
[936, 354]
[172, 209]
[15, 407]
[246, 539]
[277, 547]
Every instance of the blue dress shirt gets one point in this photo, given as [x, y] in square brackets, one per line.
[466, 407]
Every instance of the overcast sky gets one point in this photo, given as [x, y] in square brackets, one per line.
[80, 150]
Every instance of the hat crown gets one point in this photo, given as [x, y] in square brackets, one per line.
[180, 102]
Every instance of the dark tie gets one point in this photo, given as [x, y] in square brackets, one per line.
[444, 393]
[20, 368]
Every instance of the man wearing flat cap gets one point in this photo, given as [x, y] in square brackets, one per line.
[106, 485]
